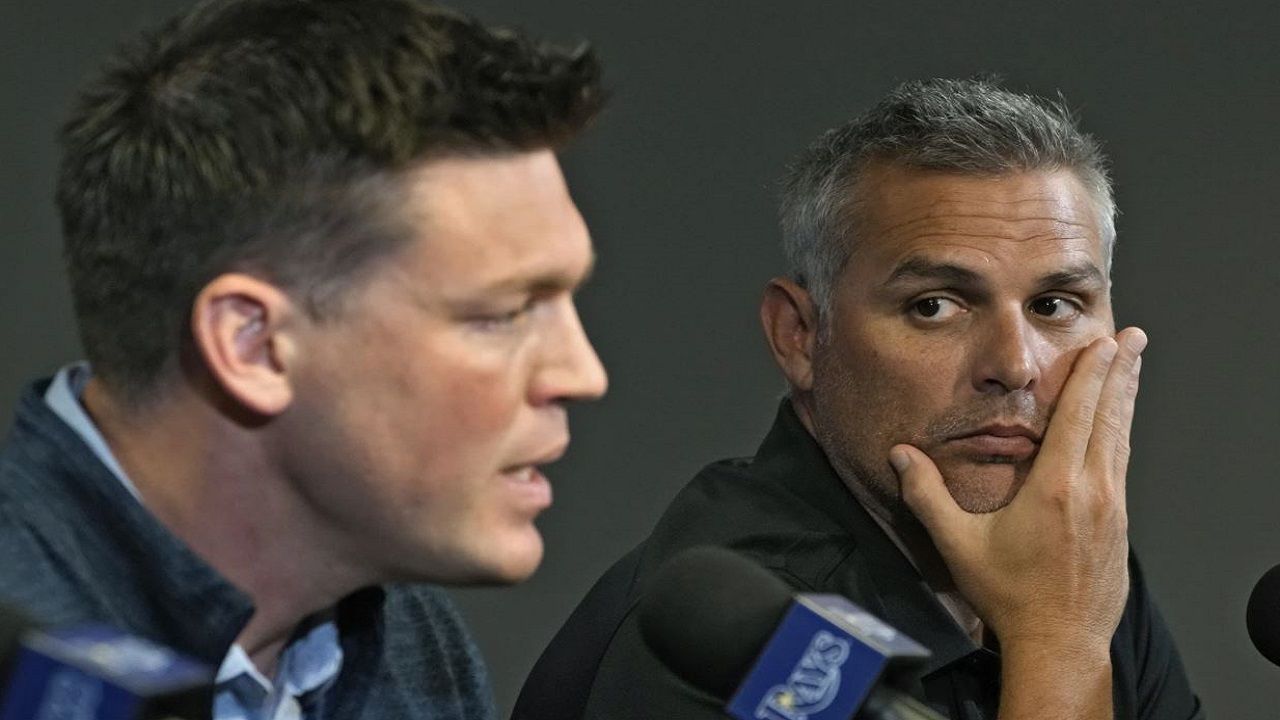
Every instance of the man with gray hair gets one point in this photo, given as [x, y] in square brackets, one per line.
[953, 450]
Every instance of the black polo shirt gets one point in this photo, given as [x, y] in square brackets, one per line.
[788, 510]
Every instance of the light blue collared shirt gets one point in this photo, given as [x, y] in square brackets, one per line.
[308, 664]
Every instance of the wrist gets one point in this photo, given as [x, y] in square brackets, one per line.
[1077, 643]
[1066, 638]
[1058, 651]
[1032, 680]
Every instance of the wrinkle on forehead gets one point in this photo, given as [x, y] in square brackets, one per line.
[906, 210]
[1062, 232]
[1044, 257]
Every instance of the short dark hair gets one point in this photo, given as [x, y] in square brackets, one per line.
[970, 126]
[268, 136]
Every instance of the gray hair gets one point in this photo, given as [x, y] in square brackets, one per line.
[966, 126]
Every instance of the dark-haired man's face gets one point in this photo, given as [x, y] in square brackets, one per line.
[424, 412]
[954, 326]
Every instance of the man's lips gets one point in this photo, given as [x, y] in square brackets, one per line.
[544, 457]
[529, 487]
[529, 482]
[1015, 442]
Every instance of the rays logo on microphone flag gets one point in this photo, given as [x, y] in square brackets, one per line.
[821, 662]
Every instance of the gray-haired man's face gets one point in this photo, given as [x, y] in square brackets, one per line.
[955, 324]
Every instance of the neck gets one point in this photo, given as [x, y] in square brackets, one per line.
[212, 482]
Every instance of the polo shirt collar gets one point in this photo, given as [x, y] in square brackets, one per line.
[888, 586]
[131, 554]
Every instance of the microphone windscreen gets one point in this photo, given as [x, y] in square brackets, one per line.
[708, 612]
[1263, 615]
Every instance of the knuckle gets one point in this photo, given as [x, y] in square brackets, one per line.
[1080, 420]
[917, 495]
[1100, 369]
[1107, 353]
[912, 493]
[1104, 498]
[1122, 452]
[1111, 424]
[1062, 497]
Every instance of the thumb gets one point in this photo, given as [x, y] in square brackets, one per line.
[925, 492]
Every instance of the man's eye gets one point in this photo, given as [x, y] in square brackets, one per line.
[1055, 308]
[936, 308]
[500, 320]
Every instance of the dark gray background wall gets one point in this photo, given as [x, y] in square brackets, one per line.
[711, 98]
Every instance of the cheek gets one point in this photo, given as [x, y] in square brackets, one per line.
[1057, 368]
[476, 410]
[429, 416]
[910, 376]
[876, 388]
[477, 404]
[452, 437]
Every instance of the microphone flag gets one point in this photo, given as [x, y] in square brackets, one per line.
[821, 663]
[95, 672]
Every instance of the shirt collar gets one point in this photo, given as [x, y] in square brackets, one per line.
[889, 586]
[308, 663]
[63, 396]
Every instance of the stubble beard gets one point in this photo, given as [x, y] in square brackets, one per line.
[847, 444]
[842, 438]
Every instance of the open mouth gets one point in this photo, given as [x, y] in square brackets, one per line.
[531, 487]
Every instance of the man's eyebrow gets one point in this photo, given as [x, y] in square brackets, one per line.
[1084, 275]
[922, 269]
[550, 281]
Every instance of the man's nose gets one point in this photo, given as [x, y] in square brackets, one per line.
[1007, 359]
[570, 370]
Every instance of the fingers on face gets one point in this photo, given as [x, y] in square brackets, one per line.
[1108, 453]
[1066, 441]
[925, 492]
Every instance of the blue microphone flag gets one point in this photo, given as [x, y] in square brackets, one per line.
[821, 663]
[95, 672]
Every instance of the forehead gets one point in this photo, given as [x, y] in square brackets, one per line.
[483, 221]
[999, 222]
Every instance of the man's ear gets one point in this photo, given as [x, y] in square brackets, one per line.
[240, 326]
[790, 321]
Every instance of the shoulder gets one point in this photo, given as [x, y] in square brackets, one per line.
[425, 620]
[738, 505]
[725, 495]
[41, 568]
[426, 645]
[425, 608]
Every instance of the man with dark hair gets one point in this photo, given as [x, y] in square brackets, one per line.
[323, 261]
[953, 450]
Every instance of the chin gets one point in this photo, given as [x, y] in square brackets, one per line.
[510, 562]
[983, 487]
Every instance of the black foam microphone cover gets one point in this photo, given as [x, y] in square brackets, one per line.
[1263, 615]
[707, 613]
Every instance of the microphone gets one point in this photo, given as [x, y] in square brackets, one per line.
[732, 629]
[1262, 616]
[94, 672]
